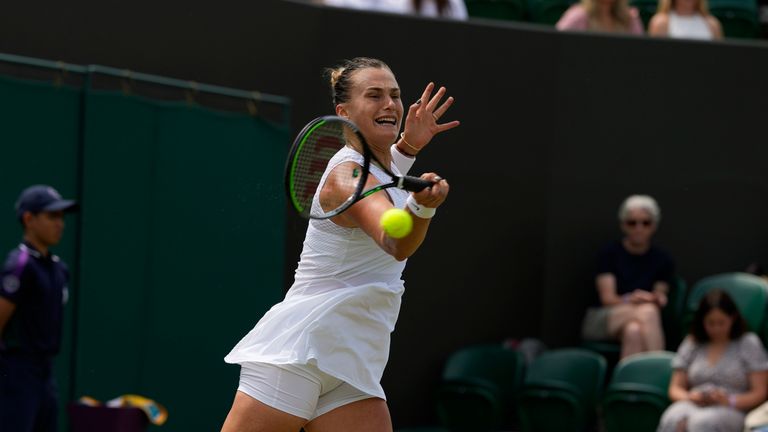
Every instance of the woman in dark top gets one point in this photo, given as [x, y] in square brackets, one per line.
[633, 279]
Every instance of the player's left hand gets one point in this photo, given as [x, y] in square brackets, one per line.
[421, 124]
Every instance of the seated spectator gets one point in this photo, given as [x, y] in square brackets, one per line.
[602, 15]
[633, 279]
[719, 372]
[689, 19]
[452, 9]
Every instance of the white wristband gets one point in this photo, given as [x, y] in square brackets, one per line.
[401, 161]
[418, 209]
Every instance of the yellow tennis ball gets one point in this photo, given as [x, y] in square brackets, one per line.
[396, 223]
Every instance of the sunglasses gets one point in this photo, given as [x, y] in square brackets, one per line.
[635, 222]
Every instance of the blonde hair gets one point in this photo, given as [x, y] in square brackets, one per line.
[666, 6]
[619, 12]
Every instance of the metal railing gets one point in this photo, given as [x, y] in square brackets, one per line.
[133, 76]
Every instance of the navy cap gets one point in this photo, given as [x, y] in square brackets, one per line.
[42, 198]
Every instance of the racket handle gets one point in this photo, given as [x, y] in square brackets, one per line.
[413, 184]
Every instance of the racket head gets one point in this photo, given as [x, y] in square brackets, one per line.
[312, 151]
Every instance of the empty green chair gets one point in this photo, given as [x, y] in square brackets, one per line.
[637, 393]
[749, 292]
[672, 314]
[478, 388]
[739, 18]
[511, 10]
[610, 350]
[561, 391]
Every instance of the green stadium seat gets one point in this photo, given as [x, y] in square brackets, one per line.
[511, 10]
[749, 292]
[478, 388]
[561, 391]
[739, 18]
[672, 314]
[547, 11]
[610, 350]
[637, 394]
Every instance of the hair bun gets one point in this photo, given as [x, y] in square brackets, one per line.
[336, 75]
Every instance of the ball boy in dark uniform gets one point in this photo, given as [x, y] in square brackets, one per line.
[33, 291]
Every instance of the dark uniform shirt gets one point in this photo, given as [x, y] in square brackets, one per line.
[37, 285]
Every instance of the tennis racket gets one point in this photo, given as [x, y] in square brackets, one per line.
[321, 144]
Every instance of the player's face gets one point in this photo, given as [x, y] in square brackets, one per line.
[45, 228]
[718, 325]
[638, 226]
[375, 106]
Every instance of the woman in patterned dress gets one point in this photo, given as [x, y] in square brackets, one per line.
[720, 371]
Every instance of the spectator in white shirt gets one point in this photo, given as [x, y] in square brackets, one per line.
[452, 9]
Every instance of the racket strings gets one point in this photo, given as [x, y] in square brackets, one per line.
[339, 188]
[313, 161]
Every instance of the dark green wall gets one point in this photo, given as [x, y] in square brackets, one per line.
[181, 242]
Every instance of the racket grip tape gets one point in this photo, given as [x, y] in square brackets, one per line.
[413, 184]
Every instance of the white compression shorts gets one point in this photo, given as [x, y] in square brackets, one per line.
[302, 390]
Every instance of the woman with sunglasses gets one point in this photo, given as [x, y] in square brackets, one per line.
[633, 279]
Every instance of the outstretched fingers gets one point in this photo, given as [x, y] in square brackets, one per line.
[447, 126]
[432, 104]
[438, 110]
[443, 108]
[421, 124]
[426, 94]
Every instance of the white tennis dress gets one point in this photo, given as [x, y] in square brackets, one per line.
[342, 306]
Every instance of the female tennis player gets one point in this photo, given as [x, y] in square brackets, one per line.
[315, 360]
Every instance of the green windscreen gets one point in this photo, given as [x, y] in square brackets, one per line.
[178, 247]
[182, 250]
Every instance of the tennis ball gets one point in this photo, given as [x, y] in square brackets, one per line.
[396, 223]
